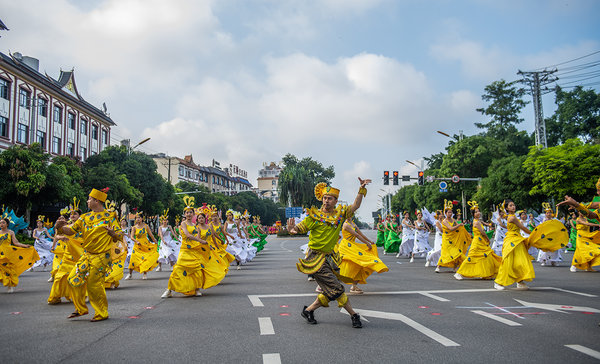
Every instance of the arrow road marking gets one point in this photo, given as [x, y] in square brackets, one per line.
[557, 308]
[494, 317]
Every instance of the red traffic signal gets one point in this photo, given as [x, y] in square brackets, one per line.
[395, 178]
[421, 178]
[386, 177]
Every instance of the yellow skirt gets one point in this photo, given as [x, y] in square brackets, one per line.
[59, 250]
[454, 247]
[587, 250]
[358, 262]
[115, 273]
[14, 261]
[481, 261]
[188, 272]
[60, 285]
[144, 257]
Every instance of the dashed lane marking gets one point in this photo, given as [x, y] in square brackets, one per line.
[587, 351]
[266, 326]
[272, 358]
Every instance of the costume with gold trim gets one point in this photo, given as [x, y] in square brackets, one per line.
[14, 260]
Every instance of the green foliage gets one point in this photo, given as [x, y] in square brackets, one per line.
[568, 169]
[577, 116]
[298, 178]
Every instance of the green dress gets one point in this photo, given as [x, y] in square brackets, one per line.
[380, 235]
[572, 236]
[254, 233]
[392, 244]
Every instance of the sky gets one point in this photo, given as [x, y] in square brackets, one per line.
[362, 85]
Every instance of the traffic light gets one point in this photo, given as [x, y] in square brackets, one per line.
[421, 178]
[386, 177]
[395, 178]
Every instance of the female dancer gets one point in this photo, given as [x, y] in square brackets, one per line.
[455, 241]
[408, 237]
[242, 221]
[58, 245]
[434, 255]
[587, 247]
[572, 231]
[119, 255]
[392, 242]
[516, 262]
[255, 231]
[481, 261]
[221, 239]
[236, 247]
[15, 257]
[421, 245]
[358, 260]
[500, 232]
[169, 247]
[144, 257]
[380, 233]
[549, 258]
[43, 245]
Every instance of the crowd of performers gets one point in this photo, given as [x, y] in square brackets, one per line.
[89, 252]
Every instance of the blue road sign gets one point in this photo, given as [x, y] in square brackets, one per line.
[443, 186]
[293, 212]
[443, 190]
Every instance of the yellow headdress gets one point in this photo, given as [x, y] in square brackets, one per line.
[502, 208]
[177, 220]
[473, 205]
[65, 210]
[48, 223]
[246, 214]
[205, 209]
[417, 212]
[322, 189]
[447, 205]
[438, 213]
[236, 215]
[75, 205]
[110, 206]
[41, 218]
[189, 203]
[230, 211]
[164, 216]
[99, 195]
[547, 207]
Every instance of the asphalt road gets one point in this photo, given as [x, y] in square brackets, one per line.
[410, 315]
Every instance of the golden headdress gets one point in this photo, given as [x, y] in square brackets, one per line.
[237, 215]
[246, 214]
[189, 203]
[164, 216]
[177, 220]
[205, 209]
[110, 206]
[65, 211]
[321, 189]
[447, 205]
[41, 218]
[75, 205]
[547, 207]
[99, 195]
[48, 224]
[417, 212]
[473, 205]
[502, 207]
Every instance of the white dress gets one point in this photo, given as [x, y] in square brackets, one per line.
[533, 251]
[499, 235]
[130, 245]
[433, 256]
[237, 247]
[43, 246]
[548, 258]
[421, 241]
[408, 240]
[169, 247]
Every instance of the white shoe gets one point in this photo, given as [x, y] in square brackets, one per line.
[412, 259]
[144, 276]
[198, 293]
[499, 287]
[310, 279]
[51, 279]
[543, 264]
[384, 252]
[522, 286]
[167, 294]
[437, 269]
[239, 267]
[398, 255]
[427, 263]
[318, 289]
[11, 290]
[458, 276]
[573, 269]
[128, 277]
[158, 269]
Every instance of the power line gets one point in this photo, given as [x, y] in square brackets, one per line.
[572, 60]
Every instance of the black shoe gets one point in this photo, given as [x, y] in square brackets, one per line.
[309, 316]
[356, 321]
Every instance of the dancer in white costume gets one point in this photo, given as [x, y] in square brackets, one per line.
[236, 246]
[169, 247]
[533, 251]
[245, 224]
[408, 237]
[434, 255]
[421, 242]
[43, 245]
[549, 258]
[500, 230]
[130, 243]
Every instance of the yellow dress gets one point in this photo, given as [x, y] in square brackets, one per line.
[72, 252]
[481, 261]
[59, 250]
[516, 262]
[225, 258]
[454, 246]
[358, 261]
[118, 254]
[216, 266]
[144, 256]
[14, 260]
[587, 248]
[188, 272]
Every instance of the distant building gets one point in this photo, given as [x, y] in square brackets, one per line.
[34, 107]
[267, 181]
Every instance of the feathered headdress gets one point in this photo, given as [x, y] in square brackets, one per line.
[177, 220]
[473, 205]
[75, 205]
[41, 218]
[48, 224]
[164, 216]
[230, 211]
[65, 211]
[547, 207]
[237, 215]
[205, 209]
[110, 206]
[189, 203]
[321, 189]
[417, 212]
[246, 214]
[501, 207]
[447, 205]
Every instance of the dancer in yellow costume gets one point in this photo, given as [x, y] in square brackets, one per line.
[144, 256]
[58, 247]
[359, 260]
[516, 262]
[188, 275]
[481, 261]
[455, 241]
[321, 260]
[118, 254]
[220, 239]
[587, 246]
[15, 257]
[72, 253]
[214, 270]
[99, 229]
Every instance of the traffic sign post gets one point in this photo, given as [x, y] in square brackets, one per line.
[455, 178]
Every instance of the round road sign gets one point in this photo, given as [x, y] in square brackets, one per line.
[443, 185]
[455, 178]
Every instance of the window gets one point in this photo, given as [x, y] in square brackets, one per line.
[181, 171]
[24, 98]
[43, 107]
[94, 132]
[55, 145]
[4, 87]
[3, 126]
[213, 179]
[104, 136]
[83, 127]
[57, 114]
[40, 137]
[22, 131]
[70, 149]
[71, 120]
[83, 153]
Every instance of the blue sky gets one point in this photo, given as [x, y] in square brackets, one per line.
[359, 84]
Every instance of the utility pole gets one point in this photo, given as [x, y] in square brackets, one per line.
[537, 82]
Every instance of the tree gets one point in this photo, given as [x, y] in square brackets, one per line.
[568, 169]
[107, 175]
[577, 116]
[504, 109]
[298, 178]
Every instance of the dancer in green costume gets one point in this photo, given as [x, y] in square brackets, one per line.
[573, 234]
[392, 243]
[256, 232]
[380, 233]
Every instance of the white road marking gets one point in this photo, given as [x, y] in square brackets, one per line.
[494, 317]
[410, 322]
[256, 302]
[266, 326]
[284, 248]
[582, 349]
[505, 310]
[558, 308]
[441, 299]
[271, 358]
[566, 290]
